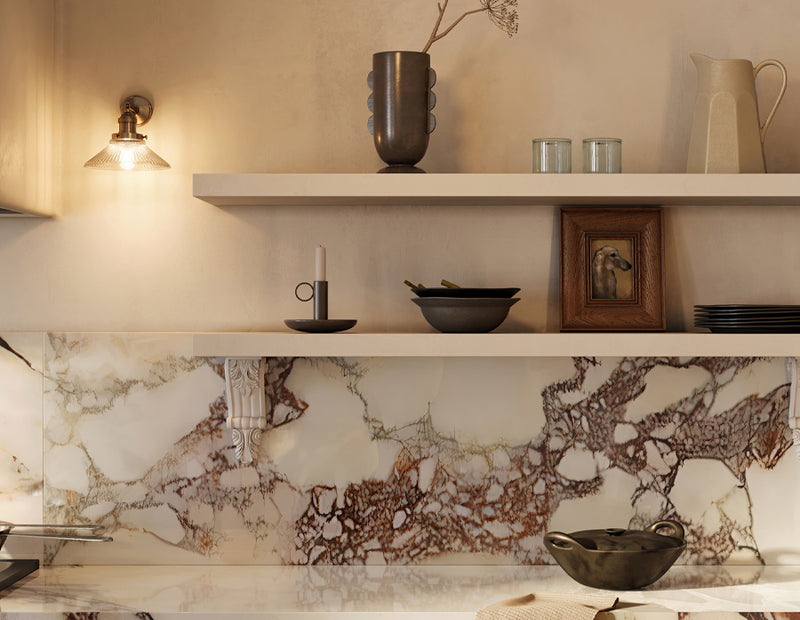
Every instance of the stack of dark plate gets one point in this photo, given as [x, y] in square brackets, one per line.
[748, 318]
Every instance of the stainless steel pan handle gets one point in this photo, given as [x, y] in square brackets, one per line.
[49, 526]
[9, 529]
[58, 536]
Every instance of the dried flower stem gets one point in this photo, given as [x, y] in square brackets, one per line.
[435, 36]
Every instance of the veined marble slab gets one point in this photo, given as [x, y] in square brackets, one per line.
[132, 428]
[372, 592]
[408, 460]
[21, 437]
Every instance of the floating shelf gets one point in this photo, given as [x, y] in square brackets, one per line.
[497, 189]
[290, 344]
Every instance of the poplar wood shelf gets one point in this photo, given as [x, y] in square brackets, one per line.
[336, 190]
[291, 344]
[224, 190]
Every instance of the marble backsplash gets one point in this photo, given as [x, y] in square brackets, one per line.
[390, 460]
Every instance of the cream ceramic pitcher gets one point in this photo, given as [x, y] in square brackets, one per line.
[727, 135]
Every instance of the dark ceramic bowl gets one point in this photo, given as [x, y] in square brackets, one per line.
[617, 559]
[464, 315]
[441, 291]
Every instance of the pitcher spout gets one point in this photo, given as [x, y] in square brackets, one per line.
[701, 61]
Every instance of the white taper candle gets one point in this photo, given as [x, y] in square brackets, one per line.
[320, 264]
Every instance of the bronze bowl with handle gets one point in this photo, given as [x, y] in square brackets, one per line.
[615, 558]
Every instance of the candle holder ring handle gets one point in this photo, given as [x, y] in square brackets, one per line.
[297, 293]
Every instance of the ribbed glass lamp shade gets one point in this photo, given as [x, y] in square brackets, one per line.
[127, 155]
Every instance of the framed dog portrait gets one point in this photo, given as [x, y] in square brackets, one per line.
[612, 269]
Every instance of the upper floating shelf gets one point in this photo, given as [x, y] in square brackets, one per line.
[225, 190]
[291, 344]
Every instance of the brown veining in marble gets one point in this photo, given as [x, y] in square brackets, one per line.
[506, 511]
[746, 615]
[442, 495]
[284, 406]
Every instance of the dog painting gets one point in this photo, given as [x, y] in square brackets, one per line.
[610, 269]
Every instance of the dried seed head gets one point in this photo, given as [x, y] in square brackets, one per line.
[503, 14]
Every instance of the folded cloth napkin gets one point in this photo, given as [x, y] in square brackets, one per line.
[548, 606]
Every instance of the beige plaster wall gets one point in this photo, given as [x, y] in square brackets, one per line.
[27, 82]
[268, 86]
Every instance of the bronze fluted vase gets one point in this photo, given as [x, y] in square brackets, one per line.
[400, 103]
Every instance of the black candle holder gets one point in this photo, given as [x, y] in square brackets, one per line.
[320, 323]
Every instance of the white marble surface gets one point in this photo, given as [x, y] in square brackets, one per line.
[390, 461]
[21, 463]
[454, 592]
[411, 460]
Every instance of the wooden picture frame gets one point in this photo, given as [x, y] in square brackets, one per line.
[612, 269]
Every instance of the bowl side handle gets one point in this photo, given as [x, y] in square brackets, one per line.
[561, 540]
[676, 529]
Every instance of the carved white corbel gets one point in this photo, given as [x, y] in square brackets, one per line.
[793, 368]
[247, 404]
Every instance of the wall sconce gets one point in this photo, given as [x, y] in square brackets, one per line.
[127, 149]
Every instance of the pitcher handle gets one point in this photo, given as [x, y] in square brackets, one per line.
[780, 66]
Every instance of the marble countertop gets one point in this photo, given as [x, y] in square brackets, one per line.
[454, 592]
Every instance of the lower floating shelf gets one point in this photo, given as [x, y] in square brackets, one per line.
[577, 344]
